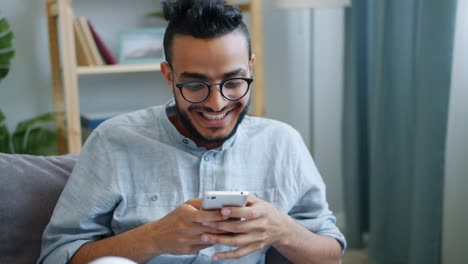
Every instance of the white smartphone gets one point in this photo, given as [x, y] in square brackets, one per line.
[213, 200]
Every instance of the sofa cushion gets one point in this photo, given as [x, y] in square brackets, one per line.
[29, 189]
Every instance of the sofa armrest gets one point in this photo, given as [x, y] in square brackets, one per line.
[29, 189]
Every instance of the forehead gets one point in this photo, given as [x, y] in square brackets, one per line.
[210, 56]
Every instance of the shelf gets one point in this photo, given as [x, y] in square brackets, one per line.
[119, 68]
[65, 73]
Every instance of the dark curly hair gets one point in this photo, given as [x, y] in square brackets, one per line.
[201, 19]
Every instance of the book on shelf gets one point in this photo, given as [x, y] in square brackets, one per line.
[90, 121]
[103, 50]
[89, 41]
[83, 54]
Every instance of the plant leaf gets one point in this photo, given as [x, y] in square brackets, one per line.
[35, 136]
[26, 124]
[6, 47]
[40, 141]
[158, 13]
[5, 146]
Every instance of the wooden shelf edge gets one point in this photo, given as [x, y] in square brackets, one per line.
[119, 68]
[52, 9]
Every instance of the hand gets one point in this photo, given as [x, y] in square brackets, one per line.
[264, 225]
[180, 231]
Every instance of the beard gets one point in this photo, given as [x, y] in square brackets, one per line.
[197, 136]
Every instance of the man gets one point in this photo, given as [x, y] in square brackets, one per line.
[133, 193]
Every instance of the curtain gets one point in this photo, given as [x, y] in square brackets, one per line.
[397, 80]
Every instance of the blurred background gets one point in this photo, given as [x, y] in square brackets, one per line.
[378, 89]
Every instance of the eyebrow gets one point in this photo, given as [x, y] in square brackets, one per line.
[233, 73]
[195, 75]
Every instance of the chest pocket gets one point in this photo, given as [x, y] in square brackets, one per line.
[145, 207]
[268, 195]
[159, 199]
[276, 198]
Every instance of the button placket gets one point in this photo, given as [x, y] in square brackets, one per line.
[206, 172]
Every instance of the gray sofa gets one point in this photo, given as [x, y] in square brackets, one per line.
[29, 189]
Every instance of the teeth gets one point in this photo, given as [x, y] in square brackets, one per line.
[214, 117]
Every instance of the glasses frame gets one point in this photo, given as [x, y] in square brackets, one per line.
[180, 85]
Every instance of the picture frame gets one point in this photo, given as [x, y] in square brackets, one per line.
[141, 46]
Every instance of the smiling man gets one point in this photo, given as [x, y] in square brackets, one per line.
[209, 111]
[135, 190]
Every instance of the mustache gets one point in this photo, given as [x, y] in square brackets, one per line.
[210, 110]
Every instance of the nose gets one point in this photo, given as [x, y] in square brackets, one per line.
[215, 100]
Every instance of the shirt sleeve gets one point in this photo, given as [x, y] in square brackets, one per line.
[311, 209]
[84, 210]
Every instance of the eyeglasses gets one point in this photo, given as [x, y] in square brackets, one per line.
[197, 91]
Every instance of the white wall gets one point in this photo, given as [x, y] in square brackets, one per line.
[26, 90]
[287, 63]
[327, 83]
[455, 214]
[304, 83]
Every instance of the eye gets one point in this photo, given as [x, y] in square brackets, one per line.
[194, 86]
[233, 84]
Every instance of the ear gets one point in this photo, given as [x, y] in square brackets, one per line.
[252, 63]
[166, 71]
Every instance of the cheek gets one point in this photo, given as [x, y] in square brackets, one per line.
[245, 101]
[181, 102]
[182, 105]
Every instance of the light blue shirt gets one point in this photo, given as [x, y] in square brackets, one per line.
[136, 168]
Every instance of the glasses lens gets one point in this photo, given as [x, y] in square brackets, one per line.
[195, 91]
[235, 89]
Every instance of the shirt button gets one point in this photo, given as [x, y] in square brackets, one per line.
[206, 158]
[154, 198]
[185, 141]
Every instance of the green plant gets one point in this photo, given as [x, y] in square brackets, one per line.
[6, 47]
[158, 14]
[34, 136]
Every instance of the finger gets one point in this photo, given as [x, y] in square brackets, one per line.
[251, 199]
[242, 212]
[196, 229]
[202, 216]
[237, 253]
[196, 248]
[246, 226]
[210, 230]
[190, 239]
[216, 232]
[236, 240]
[194, 202]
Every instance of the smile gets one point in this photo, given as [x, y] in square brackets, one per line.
[214, 117]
